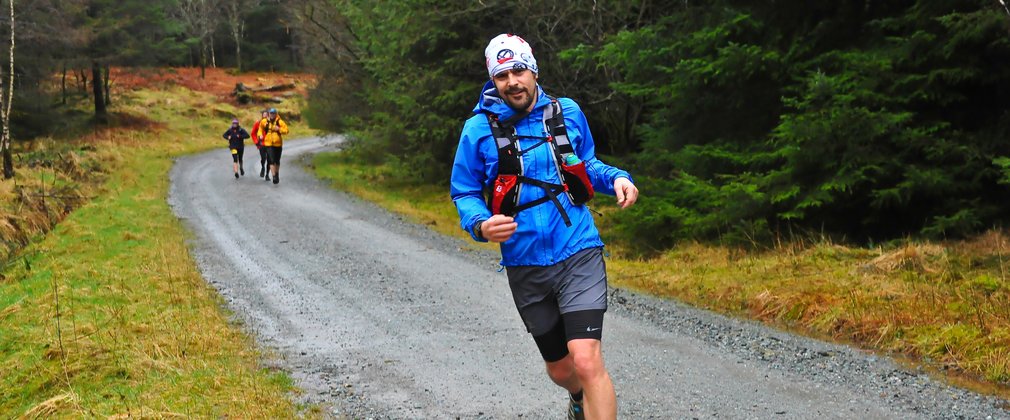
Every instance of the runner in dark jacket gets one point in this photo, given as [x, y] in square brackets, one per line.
[236, 136]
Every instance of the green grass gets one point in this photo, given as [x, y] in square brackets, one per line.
[108, 315]
[945, 306]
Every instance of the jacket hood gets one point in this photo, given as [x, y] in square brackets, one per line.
[491, 102]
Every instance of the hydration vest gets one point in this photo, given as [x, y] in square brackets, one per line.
[504, 195]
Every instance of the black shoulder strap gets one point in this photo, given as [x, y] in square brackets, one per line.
[554, 122]
[509, 162]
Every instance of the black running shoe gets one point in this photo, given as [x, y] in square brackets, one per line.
[267, 178]
[575, 410]
[236, 175]
[262, 172]
[243, 171]
[277, 178]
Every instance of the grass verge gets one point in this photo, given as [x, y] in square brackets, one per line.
[943, 306]
[108, 315]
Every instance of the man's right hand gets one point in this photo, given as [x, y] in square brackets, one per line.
[499, 228]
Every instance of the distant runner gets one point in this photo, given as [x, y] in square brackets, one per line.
[236, 136]
[273, 129]
[258, 141]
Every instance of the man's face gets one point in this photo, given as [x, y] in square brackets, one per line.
[518, 87]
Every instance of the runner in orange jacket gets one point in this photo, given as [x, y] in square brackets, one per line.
[273, 129]
[258, 141]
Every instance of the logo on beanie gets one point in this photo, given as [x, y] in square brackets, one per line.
[505, 55]
[504, 51]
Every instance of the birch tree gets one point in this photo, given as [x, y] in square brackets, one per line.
[235, 13]
[199, 17]
[6, 99]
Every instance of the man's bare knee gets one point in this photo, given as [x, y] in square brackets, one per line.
[561, 370]
[587, 359]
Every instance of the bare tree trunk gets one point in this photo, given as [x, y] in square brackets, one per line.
[200, 18]
[63, 84]
[101, 113]
[107, 84]
[203, 59]
[82, 80]
[5, 137]
[8, 163]
[233, 13]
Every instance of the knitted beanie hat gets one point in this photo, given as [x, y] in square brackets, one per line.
[507, 52]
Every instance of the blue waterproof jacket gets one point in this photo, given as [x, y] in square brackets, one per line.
[541, 238]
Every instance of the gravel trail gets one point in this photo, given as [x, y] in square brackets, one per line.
[379, 318]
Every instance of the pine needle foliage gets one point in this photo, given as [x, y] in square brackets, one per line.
[741, 121]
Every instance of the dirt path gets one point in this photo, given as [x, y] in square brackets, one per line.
[376, 317]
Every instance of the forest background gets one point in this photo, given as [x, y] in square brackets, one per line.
[860, 121]
[746, 126]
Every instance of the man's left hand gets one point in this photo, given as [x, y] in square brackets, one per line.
[627, 193]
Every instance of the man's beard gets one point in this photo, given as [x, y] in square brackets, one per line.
[521, 106]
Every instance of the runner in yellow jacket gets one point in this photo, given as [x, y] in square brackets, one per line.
[272, 129]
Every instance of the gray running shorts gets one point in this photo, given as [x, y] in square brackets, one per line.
[543, 294]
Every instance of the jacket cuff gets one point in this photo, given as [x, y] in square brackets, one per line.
[471, 228]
